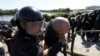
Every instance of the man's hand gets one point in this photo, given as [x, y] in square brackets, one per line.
[62, 39]
[6, 39]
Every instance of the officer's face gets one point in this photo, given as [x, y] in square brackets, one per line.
[34, 28]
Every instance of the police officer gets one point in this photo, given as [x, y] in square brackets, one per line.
[29, 21]
[86, 25]
[2, 50]
[55, 35]
[7, 35]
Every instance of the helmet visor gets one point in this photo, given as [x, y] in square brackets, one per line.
[36, 28]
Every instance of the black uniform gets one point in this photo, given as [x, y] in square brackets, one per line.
[51, 38]
[23, 44]
[97, 27]
[2, 51]
[7, 34]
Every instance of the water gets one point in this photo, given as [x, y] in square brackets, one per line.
[6, 17]
[9, 17]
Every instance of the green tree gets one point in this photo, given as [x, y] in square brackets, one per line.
[67, 10]
[53, 16]
[8, 12]
[78, 13]
[47, 17]
[72, 15]
[65, 15]
[1, 12]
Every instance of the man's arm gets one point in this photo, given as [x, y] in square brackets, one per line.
[6, 39]
[52, 51]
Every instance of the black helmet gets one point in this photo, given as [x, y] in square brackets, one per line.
[29, 13]
[29, 16]
[5, 27]
[85, 15]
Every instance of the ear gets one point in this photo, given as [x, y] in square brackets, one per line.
[24, 25]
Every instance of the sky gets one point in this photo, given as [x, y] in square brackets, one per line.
[48, 4]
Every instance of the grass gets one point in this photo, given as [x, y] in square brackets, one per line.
[87, 50]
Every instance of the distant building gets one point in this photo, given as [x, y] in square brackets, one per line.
[92, 7]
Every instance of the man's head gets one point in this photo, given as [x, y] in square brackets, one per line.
[5, 28]
[29, 19]
[60, 25]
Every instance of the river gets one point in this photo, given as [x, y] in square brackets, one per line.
[9, 17]
[6, 17]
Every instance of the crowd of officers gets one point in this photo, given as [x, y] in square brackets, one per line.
[87, 21]
[34, 37]
[5, 37]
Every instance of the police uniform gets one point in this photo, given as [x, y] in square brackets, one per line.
[23, 43]
[7, 35]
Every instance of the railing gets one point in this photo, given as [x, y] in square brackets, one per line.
[74, 35]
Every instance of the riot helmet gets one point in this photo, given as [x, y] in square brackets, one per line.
[28, 17]
[5, 27]
[85, 15]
